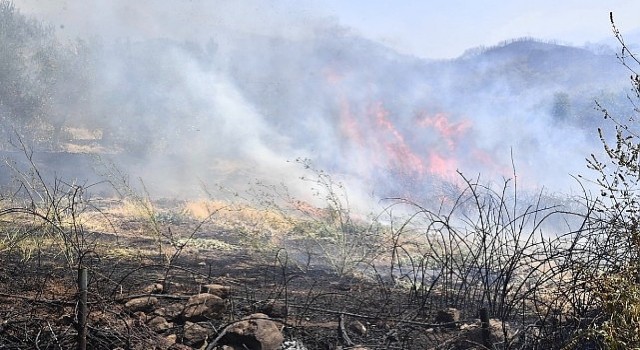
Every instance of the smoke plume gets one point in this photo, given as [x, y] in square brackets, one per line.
[185, 93]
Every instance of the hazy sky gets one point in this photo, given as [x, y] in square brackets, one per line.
[425, 28]
[446, 28]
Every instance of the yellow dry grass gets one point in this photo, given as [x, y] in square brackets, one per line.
[83, 133]
[238, 216]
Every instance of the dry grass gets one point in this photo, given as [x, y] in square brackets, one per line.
[241, 217]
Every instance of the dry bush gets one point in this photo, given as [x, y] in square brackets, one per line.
[607, 255]
[527, 263]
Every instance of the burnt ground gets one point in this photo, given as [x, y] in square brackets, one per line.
[268, 263]
[38, 293]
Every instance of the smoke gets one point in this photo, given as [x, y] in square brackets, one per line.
[183, 20]
[229, 92]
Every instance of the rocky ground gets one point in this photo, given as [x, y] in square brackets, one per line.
[221, 290]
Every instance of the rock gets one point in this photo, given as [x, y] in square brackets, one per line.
[195, 334]
[216, 289]
[274, 309]
[358, 328]
[170, 339]
[166, 343]
[170, 312]
[449, 316]
[255, 332]
[159, 324]
[156, 288]
[202, 307]
[141, 304]
[140, 316]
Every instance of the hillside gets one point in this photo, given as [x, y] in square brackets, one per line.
[240, 103]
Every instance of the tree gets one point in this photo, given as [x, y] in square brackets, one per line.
[561, 109]
[25, 47]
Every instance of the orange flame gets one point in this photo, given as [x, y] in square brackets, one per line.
[434, 144]
[444, 167]
[449, 131]
[399, 153]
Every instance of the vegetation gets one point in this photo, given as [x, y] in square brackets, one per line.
[552, 273]
[618, 208]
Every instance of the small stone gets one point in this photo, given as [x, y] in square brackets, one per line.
[194, 334]
[171, 339]
[141, 304]
[159, 324]
[140, 316]
[216, 289]
[170, 312]
[155, 288]
[256, 331]
[202, 307]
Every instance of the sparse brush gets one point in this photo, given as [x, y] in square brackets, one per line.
[610, 253]
[619, 295]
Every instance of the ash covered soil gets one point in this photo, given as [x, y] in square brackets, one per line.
[176, 282]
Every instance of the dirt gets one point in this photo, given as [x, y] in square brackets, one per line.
[38, 292]
[131, 247]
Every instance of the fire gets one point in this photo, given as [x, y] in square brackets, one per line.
[448, 130]
[349, 124]
[385, 145]
[377, 143]
[444, 167]
[400, 155]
